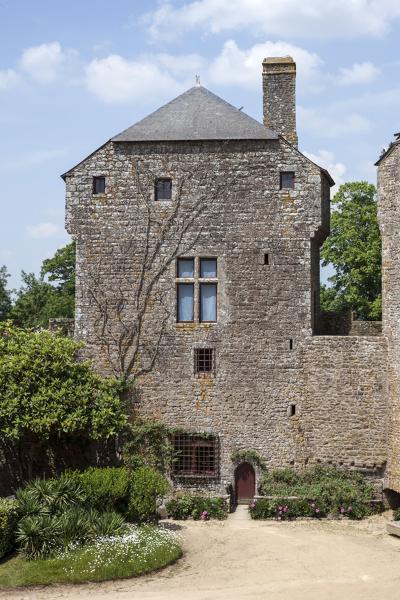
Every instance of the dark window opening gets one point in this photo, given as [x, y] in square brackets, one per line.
[204, 360]
[195, 456]
[291, 344]
[292, 410]
[287, 180]
[99, 185]
[266, 259]
[163, 189]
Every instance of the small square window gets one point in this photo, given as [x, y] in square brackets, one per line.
[203, 360]
[99, 185]
[208, 267]
[287, 180]
[185, 267]
[163, 189]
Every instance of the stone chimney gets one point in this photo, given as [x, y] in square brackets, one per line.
[279, 96]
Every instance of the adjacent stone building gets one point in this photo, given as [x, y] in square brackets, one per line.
[198, 232]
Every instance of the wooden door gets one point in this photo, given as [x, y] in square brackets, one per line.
[245, 480]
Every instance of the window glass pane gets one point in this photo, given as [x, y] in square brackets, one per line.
[208, 267]
[99, 185]
[208, 302]
[185, 267]
[287, 180]
[163, 189]
[185, 301]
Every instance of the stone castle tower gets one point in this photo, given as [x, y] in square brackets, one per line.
[198, 232]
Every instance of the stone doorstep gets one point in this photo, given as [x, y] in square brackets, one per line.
[393, 528]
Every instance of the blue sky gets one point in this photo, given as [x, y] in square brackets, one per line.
[72, 74]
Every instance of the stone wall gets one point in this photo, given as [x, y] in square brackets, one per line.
[344, 407]
[345, 323]
[389, 221]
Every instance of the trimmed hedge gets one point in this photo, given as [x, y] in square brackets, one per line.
[8, 524]
[106, 488]
[197, 507]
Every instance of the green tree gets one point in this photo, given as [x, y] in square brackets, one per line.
[47, 394]
[5, 294]
[354, 250]
[38, 300]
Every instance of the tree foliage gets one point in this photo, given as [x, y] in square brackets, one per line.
[5, 294]
[38, 300]
[45, 391]
[354, 249]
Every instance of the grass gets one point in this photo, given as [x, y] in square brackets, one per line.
[142, 550]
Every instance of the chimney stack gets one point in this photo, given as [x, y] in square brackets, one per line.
[279, 96]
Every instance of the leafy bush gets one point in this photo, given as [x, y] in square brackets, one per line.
[396, 514]
[147, 484]
[8, 523]
[335, 491]
[45, 391]
[197, 507]
[106, 488]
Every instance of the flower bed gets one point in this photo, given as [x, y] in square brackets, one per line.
[141, 550]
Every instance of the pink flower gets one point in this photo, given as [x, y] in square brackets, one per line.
[312, 504]
[342, 509]
[252, 505]
[350, 508]
[280, 507]
[204, 515]
[285, 509]
[317, 510]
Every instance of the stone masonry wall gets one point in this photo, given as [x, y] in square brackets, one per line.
[266, 356]
[389, 221]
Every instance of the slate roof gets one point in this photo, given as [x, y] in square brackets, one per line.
[388, 150]
[197, 114]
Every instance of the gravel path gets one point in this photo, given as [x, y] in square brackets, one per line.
[248, 560]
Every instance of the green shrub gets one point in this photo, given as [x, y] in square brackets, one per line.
[147, 484]
[106, 488]
[396, 514]
[8, 523]
[336, 490]
[197, 507]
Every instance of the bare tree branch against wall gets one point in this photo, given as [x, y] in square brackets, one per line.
[149, 244]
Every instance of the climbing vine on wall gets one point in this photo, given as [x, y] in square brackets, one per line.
[250, 456]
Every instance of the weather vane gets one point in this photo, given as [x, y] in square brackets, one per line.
[197, 79]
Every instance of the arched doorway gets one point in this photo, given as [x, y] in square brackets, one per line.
[245, 483]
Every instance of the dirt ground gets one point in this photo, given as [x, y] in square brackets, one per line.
[253, 560]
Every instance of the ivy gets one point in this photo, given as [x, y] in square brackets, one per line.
[250, 456]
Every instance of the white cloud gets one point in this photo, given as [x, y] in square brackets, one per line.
[116, 80]
[327, 160]
[43, 63]
[243, 67]
[330, 123]
[43, 230]
[186, 64]
[31, 160]
[8, 79]
[359, 73]
[332, 19]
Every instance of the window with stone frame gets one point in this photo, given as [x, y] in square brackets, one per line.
[195, 455]
[163, 189]
[196, 285]
[287, 180]
[99, 184]
[204, 361]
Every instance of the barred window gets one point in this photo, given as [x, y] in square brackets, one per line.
[195, 456]
[203, 360]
